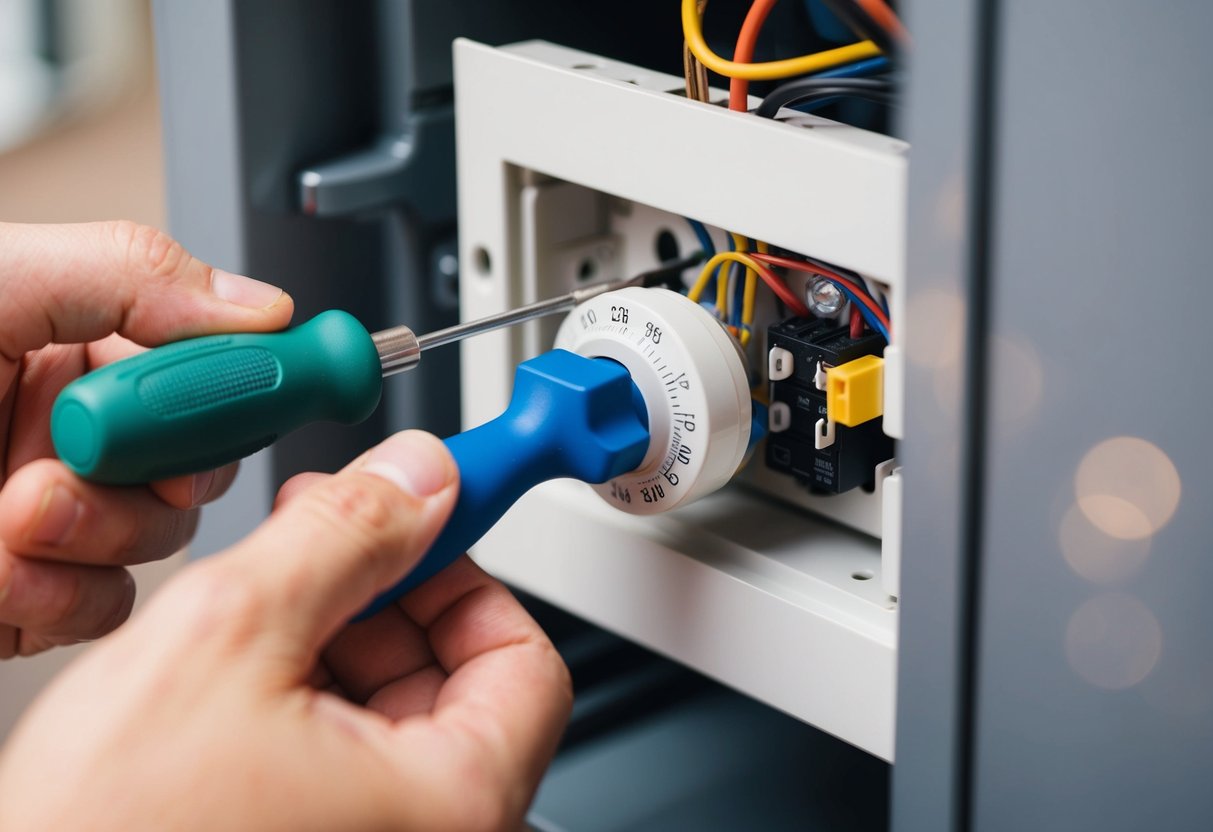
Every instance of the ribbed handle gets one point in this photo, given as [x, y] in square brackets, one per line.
[201, 403]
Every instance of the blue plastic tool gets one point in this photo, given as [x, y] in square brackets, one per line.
[569, 416]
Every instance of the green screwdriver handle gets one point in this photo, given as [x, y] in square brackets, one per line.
[201, 403]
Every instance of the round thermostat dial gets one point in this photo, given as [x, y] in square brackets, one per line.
[694, 383]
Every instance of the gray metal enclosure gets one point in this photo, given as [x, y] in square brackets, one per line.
[1056, 670]
[1056, 665]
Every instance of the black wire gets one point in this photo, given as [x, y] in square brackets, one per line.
[879, 90]
[862, 24]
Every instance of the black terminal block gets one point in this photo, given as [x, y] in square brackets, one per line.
[851, 460]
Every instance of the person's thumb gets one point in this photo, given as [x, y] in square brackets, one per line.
[79, 283]
[324, 555]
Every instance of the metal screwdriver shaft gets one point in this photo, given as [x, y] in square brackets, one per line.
[400, 348]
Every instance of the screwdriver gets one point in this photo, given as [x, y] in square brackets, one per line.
[204, 402]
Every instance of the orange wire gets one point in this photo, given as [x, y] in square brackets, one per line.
[886, 19]
[747, 40]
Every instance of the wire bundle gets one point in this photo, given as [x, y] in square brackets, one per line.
[839, 72]
[748, 260]
[757, 266]
[695, 72]
[872, 19]
[876, 317]
[692, 27]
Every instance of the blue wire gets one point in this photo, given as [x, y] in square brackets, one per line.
[867, 288]
[868, 66]
[827, 24]
[737, 276]
[859, 69]
[709, 248]
[872, 320]
[705, 239]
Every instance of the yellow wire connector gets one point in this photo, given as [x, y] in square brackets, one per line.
[855, 391]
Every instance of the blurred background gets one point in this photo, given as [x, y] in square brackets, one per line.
[79, 141]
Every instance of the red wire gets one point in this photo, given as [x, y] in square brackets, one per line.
[785, 294]
[743, 53]
[813, 268]
[856, 322]
[886, 19]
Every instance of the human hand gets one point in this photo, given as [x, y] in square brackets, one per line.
[239, 697]
[75, 297]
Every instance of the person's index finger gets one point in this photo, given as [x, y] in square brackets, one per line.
[81, 282]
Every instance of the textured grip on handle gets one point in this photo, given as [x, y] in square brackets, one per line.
[209, 381]
[569, 417]
[201, 403]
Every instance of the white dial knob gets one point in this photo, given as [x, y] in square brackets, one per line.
[693, 379]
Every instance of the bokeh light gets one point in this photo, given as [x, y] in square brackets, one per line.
[1097, 556]
[1113, 641]
[1127, 487]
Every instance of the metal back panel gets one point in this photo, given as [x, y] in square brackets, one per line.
[1095, 677]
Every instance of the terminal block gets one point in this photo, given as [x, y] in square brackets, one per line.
[825, 425]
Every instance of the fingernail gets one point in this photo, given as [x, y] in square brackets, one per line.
[243, 291]
[56, 516]
[201, 485]
[122, 611]
[415, 461]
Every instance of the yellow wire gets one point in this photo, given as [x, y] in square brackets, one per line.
[692, 29]
[751, 294]
[722, 293]
[721, 257]
[724, 297]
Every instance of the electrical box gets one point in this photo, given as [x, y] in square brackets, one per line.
[575, 169]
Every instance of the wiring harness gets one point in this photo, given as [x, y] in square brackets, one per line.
[834, 73]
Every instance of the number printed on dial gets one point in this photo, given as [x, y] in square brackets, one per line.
[692, 379]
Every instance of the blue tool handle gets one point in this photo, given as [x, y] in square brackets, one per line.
[569, 416]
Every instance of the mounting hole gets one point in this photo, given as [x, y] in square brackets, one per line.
[863, 575]
[587, 269]
[666, 245]
[585, 66]
[482, 261]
